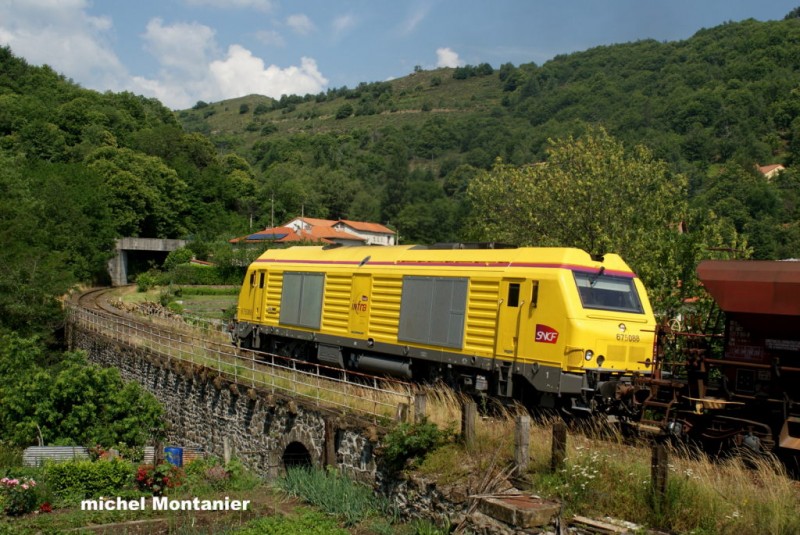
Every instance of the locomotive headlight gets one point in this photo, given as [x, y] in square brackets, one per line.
[588, 355]
[600, 360]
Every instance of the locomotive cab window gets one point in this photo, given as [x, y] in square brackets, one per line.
[607, 292]
[513, 295]
[261, 280]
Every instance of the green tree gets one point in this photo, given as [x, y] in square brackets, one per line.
[65, 400]
[148, 199]
[590, 194]
[32, 274]
[344, 111]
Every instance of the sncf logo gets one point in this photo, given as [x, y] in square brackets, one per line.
[546, 334]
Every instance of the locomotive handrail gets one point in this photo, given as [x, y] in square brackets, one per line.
[251, 369]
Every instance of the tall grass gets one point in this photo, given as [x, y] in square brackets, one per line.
[609, 477]
[336, 494]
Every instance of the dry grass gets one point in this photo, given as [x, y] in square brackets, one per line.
[608, 477]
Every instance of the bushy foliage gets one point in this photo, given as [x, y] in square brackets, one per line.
[178, 257]
[18, 496]
[61, 399]
[159, 478]
[81, 479]
[411, 442]
[594, 194]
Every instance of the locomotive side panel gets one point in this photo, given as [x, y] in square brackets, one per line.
[545, 326]
[432, 311]
[336, 309]
[481, 320]
[385, 302]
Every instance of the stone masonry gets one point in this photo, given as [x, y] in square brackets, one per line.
[205, 411]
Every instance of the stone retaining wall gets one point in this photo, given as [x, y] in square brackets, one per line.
[204, 410]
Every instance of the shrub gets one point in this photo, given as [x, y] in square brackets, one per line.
[19, 496]
[211, 473]
[87, 479]
[411, 442]
[197, 274]
[344, 111]
[147, 280]
[177, 257]
[157, 479]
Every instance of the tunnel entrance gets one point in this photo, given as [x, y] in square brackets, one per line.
[136, 255]
[296, 455]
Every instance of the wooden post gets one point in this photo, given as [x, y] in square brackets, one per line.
[226, 450]
[659, 467]
[469, 412]
[559, 452]
[420, 406]
[522, 441]
[330, 443]
[158, 452]
[401, 415]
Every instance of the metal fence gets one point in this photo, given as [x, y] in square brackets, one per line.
[320, 385]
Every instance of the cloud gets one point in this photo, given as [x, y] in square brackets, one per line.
[185, 46]
[193, 68]
[190, 65]
[300, 23]
[410, 24]
[270, 38]
[241, 73]
[343, 24]
[446, 57]
[61, 34]
[260, 5]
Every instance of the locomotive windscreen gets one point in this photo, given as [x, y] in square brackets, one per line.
[608, 292]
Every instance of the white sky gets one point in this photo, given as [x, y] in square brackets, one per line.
[182, 51]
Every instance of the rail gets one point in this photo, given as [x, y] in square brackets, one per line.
[320, 385]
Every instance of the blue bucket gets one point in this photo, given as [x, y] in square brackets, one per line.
[174, 455]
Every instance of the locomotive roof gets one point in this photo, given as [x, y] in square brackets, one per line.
[753, 286]
[409, 254]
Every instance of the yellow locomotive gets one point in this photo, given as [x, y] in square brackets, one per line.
[543, 325]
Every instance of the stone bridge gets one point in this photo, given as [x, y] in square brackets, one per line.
[219, 411]
[267, 430]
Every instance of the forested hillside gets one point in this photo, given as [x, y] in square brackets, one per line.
[80, 168]
[647, 149]
[402, 152]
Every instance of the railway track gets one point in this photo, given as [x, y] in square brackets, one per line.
[191, 347]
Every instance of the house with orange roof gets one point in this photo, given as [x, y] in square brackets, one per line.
[324, 231]
[373, 233]
[770, 171]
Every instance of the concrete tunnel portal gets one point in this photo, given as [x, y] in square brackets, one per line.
[135, 255]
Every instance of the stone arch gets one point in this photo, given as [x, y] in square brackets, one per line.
[295, 455]
[298, 442]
